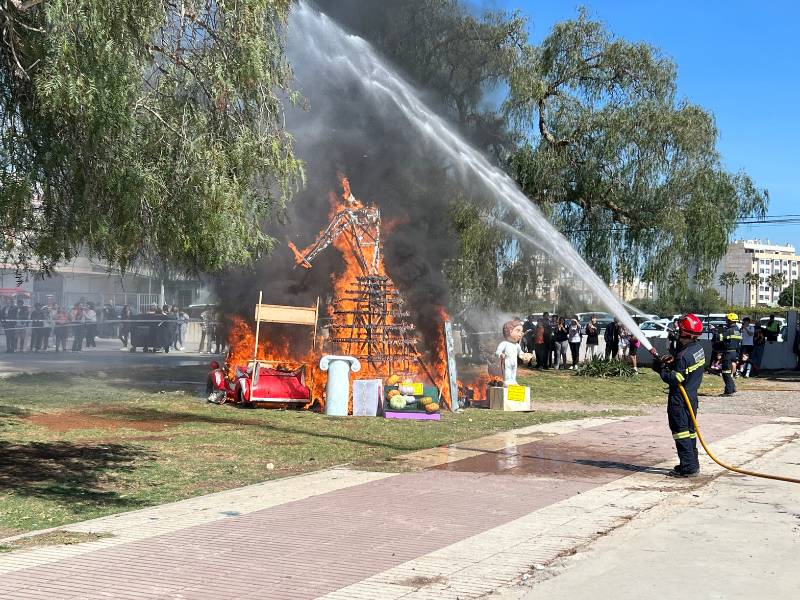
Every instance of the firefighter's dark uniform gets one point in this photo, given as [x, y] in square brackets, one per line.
[729, 343]
[687, 369]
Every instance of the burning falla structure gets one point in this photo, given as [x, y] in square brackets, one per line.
[366, 316]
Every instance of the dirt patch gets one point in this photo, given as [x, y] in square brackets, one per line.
[53, 538]
[113, 417]
[8, 532]
[67, 421]
[418, 582]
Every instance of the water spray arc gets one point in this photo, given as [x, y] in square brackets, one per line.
[346, 55]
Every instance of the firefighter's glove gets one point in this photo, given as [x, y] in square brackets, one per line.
[663, 363]
[656, 365]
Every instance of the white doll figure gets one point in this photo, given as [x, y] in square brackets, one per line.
[510, 352]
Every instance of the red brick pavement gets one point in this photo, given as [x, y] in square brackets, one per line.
[307, 548]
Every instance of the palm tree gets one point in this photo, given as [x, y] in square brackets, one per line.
[776, 281]
[703, 277]
[750, 280]
[729, 280]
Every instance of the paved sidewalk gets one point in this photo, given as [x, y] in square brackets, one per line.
[738, 538]
[474, 521]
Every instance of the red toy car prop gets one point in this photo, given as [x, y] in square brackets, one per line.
[268, 386]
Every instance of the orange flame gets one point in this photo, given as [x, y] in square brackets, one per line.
[360, 259]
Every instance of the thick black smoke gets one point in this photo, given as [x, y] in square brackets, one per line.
[343, 131]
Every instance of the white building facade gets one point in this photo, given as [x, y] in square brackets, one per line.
[763, 259]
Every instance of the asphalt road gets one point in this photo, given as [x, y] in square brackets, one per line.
[107, 355]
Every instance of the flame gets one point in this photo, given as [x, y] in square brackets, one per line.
[276, 350]
[361, 249]
[478, 387]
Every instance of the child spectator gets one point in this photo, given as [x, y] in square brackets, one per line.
[561, 340]
[574, 333]
[745, 366]
[634, 351]
[715, 368]
[592, 334]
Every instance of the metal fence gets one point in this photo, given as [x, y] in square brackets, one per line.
[138, 302]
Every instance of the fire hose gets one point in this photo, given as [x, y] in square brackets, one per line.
[715, 459]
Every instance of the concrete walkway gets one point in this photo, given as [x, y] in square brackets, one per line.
[477, 517]
[737, 538]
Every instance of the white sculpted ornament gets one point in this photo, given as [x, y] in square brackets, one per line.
[510, 352]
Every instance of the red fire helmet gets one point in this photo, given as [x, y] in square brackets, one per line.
[215, 365]
[690, 325]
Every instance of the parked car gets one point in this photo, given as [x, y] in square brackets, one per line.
[654, 329]
[698, 315]
[641, 318]
[603, 319]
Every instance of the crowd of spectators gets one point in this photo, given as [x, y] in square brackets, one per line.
[755, 337]
[555, 341]
[50, 327]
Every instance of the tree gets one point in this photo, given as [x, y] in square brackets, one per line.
[454, 55]
[142, 130]
[703, 277]
[751, 280]
[728, 280]
[791, 295]
[459, 59]
[776, 281]
[621, 165]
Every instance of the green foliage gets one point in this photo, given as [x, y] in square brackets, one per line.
[603, 368]
[776, 281]
[681, 300]
[703, 277]
[728, 280]
[143, 131]
[624, 167]
[790, 294]
[630, 174]
[446, 50]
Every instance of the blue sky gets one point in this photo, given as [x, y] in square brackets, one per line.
[738, 59]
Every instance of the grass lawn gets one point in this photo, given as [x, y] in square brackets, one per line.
[558, 387]
[77, 447]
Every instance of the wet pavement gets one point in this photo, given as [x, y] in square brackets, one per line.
[596, 455]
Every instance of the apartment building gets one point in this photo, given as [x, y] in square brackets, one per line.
[763, 259]
[83, 279]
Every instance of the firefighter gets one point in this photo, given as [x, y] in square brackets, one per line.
[684, 365]
[728, 342]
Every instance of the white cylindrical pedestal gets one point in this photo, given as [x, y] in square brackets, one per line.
[337, 391]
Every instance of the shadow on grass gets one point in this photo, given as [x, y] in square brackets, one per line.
[145, 378]
[66, 472]
[317, 428]
[8, 412]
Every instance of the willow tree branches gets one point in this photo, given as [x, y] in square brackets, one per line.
[627, 170]
[149, 129]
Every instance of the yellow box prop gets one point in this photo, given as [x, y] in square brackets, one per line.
[511, 398]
